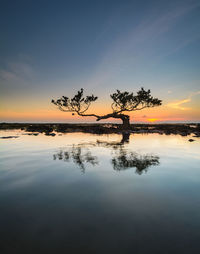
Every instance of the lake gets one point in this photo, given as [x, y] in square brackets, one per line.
[84, 193]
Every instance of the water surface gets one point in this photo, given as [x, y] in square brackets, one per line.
[83, 193]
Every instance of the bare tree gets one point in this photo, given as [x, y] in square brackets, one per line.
[122, 102]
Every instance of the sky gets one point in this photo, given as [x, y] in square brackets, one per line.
[54, 48]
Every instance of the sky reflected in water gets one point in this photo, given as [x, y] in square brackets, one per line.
[83, 193]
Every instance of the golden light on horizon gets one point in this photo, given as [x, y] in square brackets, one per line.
[152, 120]
[49, 113]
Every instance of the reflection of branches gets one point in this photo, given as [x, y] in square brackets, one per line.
[112, 144]
[122, 159]
[78, 156]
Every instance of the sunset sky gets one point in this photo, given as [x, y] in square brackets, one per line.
[54, 48]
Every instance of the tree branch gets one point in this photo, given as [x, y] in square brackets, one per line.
[80, 114]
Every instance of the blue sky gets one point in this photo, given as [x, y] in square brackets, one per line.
[52, 48]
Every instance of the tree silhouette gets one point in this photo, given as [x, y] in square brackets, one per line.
[122, 102]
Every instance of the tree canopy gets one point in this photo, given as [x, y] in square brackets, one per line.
[125, 101]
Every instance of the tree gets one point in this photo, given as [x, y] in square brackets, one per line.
[122, 102]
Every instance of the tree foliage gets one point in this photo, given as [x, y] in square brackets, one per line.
[78, 103]
[125, 101]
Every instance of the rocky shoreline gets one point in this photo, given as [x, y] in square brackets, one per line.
[53, 128]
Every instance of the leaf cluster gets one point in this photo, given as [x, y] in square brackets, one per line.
[78, 103]
[125, 101]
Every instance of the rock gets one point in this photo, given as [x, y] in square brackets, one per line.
[31, 134]
[50, 134]
[191, 140]
[196, 135]
[39, 128]
[9, 137]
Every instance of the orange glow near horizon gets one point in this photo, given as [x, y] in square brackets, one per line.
[54, 115]
[49, 113]
[153, 120]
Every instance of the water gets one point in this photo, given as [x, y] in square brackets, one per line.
[83, 193]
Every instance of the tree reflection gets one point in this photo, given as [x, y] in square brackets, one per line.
[78, 155]
[121, 158]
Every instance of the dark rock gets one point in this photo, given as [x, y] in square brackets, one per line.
[50, 134]
[191, 140]
[197, 135]
[39, 128]
[9, 137]
[31, 134]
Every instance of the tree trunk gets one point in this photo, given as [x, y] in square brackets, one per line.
[125, 138]
[126, 122]
[125, 119]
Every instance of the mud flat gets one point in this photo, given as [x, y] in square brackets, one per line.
[49, 128]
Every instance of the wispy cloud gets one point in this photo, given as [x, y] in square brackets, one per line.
[138, 44]
[16, 75]
[178, 104]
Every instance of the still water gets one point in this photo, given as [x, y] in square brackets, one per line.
[83, 193]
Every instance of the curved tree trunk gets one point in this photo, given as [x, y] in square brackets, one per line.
[125, 119]
[126, 122]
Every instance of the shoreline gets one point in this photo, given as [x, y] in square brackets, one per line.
[183, 129]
